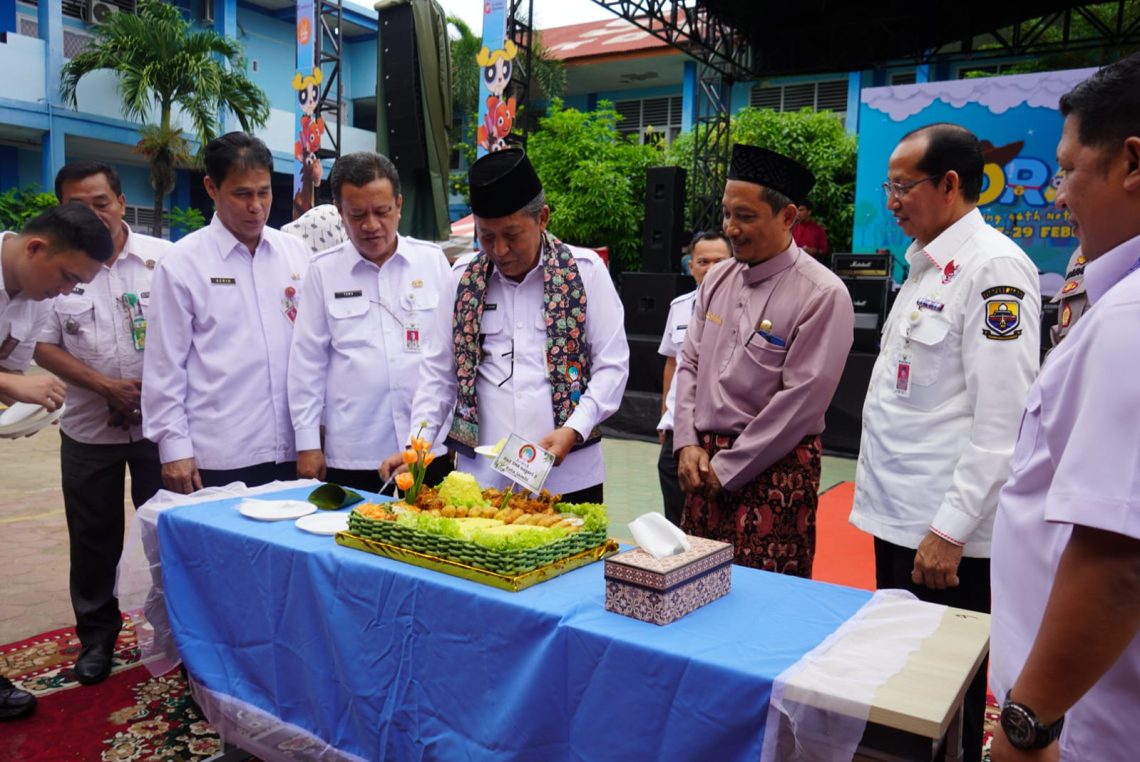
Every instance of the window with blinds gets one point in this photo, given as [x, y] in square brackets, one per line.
[904, 78]
[827, 95]
[663, 115]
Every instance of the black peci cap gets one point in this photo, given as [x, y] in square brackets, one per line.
[501, 183]
[772, 170]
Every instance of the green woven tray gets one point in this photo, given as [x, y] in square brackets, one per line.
[470, 553]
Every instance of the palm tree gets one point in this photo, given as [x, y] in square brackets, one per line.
[161, 63]
[548, 77]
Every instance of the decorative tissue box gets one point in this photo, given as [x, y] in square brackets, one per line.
[663, 591]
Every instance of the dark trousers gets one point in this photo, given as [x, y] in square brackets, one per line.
[893, 566]
[93, 479]
[370, 481]
[670, 486]
[252, 476]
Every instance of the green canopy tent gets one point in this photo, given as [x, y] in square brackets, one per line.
[413, 109]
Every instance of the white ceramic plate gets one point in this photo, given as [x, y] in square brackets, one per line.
[323, 523]
[29, 425]
[488, 451]
[20, 411]
[275, 510]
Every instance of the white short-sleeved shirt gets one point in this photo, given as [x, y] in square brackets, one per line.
[963, 338]
[94, 324]
[680, 312]
[21, 322]
[357, 348]
[217, 349]
[1077, 462]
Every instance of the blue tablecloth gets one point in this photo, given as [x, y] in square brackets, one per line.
[389, 661]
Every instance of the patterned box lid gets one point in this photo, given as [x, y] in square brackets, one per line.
[640, 568]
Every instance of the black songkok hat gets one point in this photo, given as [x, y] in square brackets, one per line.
[772, 170]
[501, 183]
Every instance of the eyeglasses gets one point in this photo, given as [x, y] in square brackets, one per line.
[900, 190]
[510, 354]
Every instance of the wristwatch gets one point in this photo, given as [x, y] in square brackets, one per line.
[1024, 730]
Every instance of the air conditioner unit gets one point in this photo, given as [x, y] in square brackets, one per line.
[99, 11]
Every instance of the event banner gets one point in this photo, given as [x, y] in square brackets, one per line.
[309, 126]
[496, 61]
[1017, 120]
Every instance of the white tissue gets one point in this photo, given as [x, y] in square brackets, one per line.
[658, 536]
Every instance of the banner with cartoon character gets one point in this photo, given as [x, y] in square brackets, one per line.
[306, 83]
[1017, 120]
[496, 63]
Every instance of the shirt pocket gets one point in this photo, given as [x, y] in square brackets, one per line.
[929, 343]
[677, 334]
[350, 324]
[78, 325]
[1028, 432]
[419, 307]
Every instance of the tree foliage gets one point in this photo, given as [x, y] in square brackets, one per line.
[594, 177]
[162, 63]
[18, 205]
[815, 139]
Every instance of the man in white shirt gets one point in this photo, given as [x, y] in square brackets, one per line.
[1066, 623]
[534, 343]
[369, 307]
[56, 251]
[959, 351]
[94, 340]
[708, 248]
[225, 298]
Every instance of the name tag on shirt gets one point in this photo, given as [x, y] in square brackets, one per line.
[223, 281]
[490, 307]
[902, 377]
[78, 290]
[346, 294]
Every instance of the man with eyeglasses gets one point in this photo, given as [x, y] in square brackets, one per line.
[360, 335]
[534, 343]
[709, 248]
[959, 352]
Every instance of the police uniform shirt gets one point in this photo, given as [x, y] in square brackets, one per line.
[96, 323]
[680, 313]
[357, 347]
[960, 349]
[1071, 299]
[217, 350]
[21, 321]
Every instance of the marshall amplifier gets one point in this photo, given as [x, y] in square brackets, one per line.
[862, 265]
[868, 279]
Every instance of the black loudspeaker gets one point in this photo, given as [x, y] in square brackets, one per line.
[403, 101]
[646, 366]
[868, 279]
[664, 220]
[646, 297]
[844, 417]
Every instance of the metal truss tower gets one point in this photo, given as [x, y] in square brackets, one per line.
[329, 50]
[520, 30]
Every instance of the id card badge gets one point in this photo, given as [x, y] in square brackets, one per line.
[138, 333]
[902, 376]
[411, 337]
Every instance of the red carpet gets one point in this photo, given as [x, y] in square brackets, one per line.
[843, 554]
[129, 716]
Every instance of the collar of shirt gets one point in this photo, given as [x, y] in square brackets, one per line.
[366, 264]
[754, 274]
[948, 244]
[228, 243]
[1108, 269]
[130, 247]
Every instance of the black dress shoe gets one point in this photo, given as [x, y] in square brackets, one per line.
[94, 664]
[13, 701]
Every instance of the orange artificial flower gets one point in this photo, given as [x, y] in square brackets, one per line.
[420, 445]
[405, 481]
[428, 459]
[410, 456]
